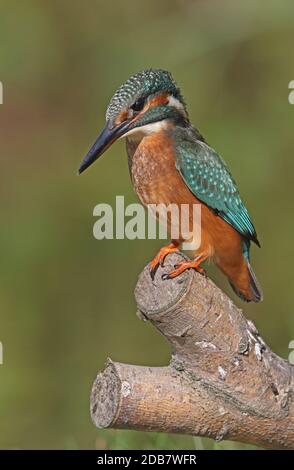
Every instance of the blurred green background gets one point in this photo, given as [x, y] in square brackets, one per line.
[66, 298]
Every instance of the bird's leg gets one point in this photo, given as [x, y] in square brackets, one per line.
[159, 258]
[181, 267]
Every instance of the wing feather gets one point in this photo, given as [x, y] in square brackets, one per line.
[208, 177]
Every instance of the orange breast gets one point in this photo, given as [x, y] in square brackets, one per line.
[157, 181]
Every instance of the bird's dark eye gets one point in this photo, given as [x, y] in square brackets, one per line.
[138, 105]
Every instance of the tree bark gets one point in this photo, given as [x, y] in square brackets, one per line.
[222, 382]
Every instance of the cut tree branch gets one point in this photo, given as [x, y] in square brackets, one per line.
[223, 381]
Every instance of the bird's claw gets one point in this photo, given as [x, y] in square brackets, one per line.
[165, 276]
[153, 271]
[160, 257]
[179, 268]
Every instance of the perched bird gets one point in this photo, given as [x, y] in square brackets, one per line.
[170, 162]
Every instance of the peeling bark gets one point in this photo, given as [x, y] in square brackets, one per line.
[222, 382]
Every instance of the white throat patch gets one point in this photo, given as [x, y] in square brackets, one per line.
[148, 129]
[175, 103]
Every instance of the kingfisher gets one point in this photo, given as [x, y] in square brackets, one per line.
[171, 163]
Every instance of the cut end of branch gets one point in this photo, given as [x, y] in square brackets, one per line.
[105, 397]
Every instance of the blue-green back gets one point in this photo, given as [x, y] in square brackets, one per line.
[208, 177]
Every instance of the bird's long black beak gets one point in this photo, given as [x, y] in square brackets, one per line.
[109, 135]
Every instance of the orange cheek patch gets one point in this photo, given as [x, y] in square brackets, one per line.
[123, 115]
[158, 100]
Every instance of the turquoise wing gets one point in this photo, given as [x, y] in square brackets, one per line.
[208, 177]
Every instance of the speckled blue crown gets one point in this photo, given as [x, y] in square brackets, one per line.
[145, 83]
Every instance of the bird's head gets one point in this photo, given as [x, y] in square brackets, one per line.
[145, 103]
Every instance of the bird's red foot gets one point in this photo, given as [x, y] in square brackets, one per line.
[159, 258]
[180, 268]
